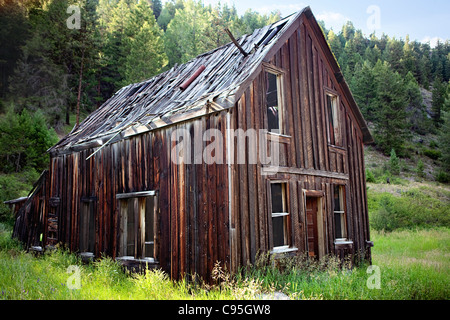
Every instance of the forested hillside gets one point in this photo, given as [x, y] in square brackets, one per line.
[53, 72]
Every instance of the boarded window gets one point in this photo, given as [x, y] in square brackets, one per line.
[274, 102]
[333, 120]
[280, 216]
[138, 224]
[87, 224]
[340, 225]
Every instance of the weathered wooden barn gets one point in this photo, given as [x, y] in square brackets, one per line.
[161, 174]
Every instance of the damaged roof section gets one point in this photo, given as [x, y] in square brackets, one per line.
[211, 82]
[180, 93]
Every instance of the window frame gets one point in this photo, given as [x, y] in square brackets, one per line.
[342, 213]
[335, 137]
[138, 201]
[280, 74]
[287, 223]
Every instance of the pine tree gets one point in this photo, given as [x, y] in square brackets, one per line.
[364, 89]
[168, 12]
[335, 44]
[416, 113]
[143, 45]
[349, 58]
[420, 170]
[348, 30]
[14, 31]
[147, 56]
[391, 124]
[444, 141]
[393, 54]
[372, 55]
[408, 60]
[184, 37]
[394, 163]
[156, 8]
[438, 100]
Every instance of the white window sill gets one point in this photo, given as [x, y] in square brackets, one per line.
[278, 134]
[283, 250]
[343, 241]
[131, 258]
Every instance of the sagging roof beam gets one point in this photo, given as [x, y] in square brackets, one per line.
[235, 42]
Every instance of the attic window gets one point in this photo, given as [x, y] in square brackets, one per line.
[334, 131]
[274, 101]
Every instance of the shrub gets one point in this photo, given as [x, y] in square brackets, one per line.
[13, 186]
[420, 169]
[433, 144]
[442, 176]
[369, 176]
[24, 141]
[432, 154]
[412, 209]
[394, 163]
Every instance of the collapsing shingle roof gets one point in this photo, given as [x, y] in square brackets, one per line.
[159, 101]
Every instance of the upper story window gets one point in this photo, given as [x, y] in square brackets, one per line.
[274, 100]
[334, 126]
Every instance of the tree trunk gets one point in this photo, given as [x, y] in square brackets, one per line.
[79, 89]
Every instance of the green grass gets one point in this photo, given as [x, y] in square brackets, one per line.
[414, 264]
[413, 260]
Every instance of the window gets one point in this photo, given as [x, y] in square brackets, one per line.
[280, 216]
[340, 225]
[138, 216]
[274, 102]
[333, 119]
[87, 224]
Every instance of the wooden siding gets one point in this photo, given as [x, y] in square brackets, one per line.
[193, 198]
[308, 161]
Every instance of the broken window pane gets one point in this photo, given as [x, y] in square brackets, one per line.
[273, 107]
[333, 116]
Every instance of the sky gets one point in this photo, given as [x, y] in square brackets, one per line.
[424, 21]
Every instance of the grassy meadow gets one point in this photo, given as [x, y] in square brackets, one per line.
[410, 229]
[413, 265]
